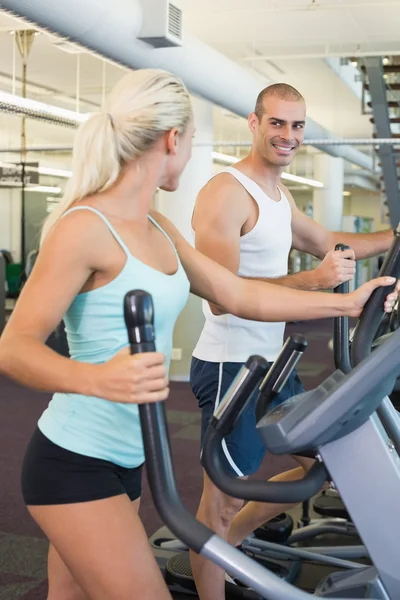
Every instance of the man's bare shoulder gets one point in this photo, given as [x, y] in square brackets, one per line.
[223, 184]
[223, 195]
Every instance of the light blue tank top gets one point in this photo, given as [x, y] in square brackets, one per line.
[96, 331]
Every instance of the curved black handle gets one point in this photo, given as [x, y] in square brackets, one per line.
[279, 372]
[228, 411]
[258, 491]
[139, 320]
[341, 349]
[373, 310]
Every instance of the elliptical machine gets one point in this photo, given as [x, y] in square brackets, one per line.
[338, 420]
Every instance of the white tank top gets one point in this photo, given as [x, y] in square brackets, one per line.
[264, 253]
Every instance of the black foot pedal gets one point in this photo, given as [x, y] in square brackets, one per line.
[330, 505]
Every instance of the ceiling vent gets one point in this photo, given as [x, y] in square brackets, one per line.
[162, 24]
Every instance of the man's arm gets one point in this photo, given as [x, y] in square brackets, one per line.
[337, 267]
[309, 236]
[364, 244]
[222, 210]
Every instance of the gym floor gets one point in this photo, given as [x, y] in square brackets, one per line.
[23, 548]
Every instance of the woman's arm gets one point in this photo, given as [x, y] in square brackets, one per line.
[252, 299]
[259, 300]
[65, 262]
[262, 301]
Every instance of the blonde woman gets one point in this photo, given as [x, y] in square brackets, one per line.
[81, 476]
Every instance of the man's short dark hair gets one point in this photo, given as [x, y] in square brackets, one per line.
[283, 91]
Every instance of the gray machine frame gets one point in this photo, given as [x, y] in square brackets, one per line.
[356, 450]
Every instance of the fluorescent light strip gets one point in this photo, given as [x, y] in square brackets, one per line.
[39, 110]
[305, 180]
[63, 173]
[225, 159]
[47, 189]
[55, 172]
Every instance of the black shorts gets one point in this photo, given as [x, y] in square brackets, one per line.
[53, 475]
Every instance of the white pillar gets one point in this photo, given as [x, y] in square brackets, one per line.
[178, 207]
[328, 201]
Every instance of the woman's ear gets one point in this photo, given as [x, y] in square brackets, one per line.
[172, 141]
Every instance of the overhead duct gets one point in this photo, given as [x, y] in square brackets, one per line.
[111, 29]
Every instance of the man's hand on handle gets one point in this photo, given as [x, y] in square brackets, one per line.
[337, 267]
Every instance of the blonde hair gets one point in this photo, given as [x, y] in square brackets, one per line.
[142, 106]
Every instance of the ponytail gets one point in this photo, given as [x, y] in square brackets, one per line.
[95, 165]
[142, 106]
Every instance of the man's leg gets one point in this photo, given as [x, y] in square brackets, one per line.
[216, 510]
[255, 514]
[209, 383]
[241, 452]
[229, 520]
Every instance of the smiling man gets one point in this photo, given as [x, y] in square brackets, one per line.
[247, 220]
